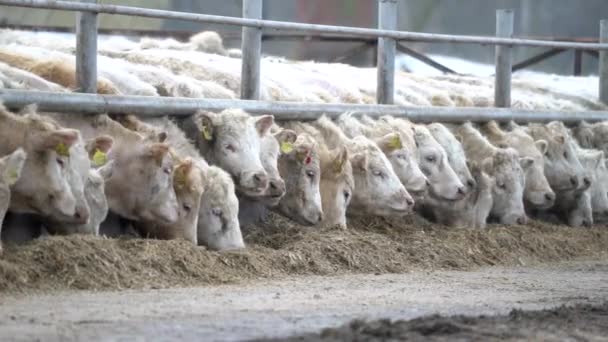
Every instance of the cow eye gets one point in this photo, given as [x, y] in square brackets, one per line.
[167, 170]
[502, 185]
[187, 207]
[310, 174]
[230, 147]
[346, 195]
[217, 212]
[430, 159]
[565, 154]
[378, 174]
[60, 162]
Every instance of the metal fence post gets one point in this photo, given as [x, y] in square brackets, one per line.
[603, 63]
[252, 50]
[503, 59]
[86, 50]
[387, 20]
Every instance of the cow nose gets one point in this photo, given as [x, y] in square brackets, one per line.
[81, 215]
[471, 183]
[550, 197]
[320, 218]
[409, 201]
[461, 190]
[427, 182]
[260, 179]
[587, 181]
[521, 220]
[277, 187]
[574, 181]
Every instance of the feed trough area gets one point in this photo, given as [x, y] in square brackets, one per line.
[191, 186]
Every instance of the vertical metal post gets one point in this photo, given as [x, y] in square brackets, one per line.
[252, 49]
[578, 62]
[86, 50]
[503, 59]
[387, 20]
[603, 62]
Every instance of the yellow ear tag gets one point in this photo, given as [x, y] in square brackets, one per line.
[99, 158]
[286, 147]
[12, 176]
[62, 150]
[395, 142]
[206, 133]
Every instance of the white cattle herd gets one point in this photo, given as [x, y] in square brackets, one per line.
[202, 177]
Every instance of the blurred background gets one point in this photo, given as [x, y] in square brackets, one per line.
[547, 19]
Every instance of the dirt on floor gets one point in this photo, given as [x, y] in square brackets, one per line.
[296, 306]
[566, 323]
[279, 248]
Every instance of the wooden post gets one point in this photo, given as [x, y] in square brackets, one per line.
[504, 59]
[252, 50]
[603, 62]
[387, 20]
[86, 50]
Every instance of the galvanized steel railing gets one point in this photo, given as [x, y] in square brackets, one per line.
[86, 61]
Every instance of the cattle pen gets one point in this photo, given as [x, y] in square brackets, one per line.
[419, 273]
[86, 66]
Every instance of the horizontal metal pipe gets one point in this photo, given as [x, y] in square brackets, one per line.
[301, 27]
[155, 106]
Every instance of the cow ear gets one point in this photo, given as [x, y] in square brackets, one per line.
[161, 137]
[542, 146]
[584, 134]
[181, 172]
[474, 168]
[59, 140]
[157, 152]
[130, 122]
[206, 122]
[487, 165]
[98, 149]
[511, 125]
[286, 139]
[599, 158]
[103, 143]
[492, 126]
[29, 109]
[263, 124]
[390, 142]
[526, 162]
[584, 124]
[560, 139]
[459, 138]
[359, 161]
[340, 161]
[11, 166]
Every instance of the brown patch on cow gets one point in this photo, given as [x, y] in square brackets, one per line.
[56, 71]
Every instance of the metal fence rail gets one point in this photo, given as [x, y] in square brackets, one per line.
[300, 27]
[250, 76]
[155, 106]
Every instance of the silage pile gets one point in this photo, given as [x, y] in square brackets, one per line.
[279, 248]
